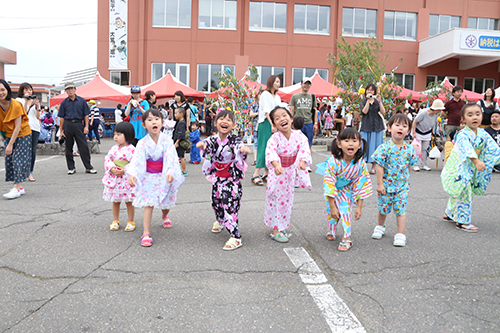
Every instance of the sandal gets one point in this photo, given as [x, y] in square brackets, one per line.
[257, 181]
[264, 179]
[146, 240]
[115, 225]
[217, 227]
[166, 222]
[330, 236]
[130, 226]
[254, 163]
[466, 227]
[31, 178]
[446, 218]
[232, 244]
[345, 244]
[279, 237]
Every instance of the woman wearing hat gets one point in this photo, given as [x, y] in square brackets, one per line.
[422, 130]
[135, 108]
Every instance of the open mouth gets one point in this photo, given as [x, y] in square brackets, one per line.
[155, 127]
[399, 133]
[224, 126]
[350, 150]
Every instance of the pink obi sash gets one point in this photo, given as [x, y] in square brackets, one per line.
[222, 170]
[154, 166]
[287, 161]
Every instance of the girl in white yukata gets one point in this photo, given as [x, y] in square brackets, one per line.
[346, 182]
[287, 157]
[155, 173]
[116, 186]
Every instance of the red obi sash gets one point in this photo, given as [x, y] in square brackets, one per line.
[222, 170]
[287, 161]
[154, 166]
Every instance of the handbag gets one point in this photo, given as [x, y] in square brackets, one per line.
[185, 144]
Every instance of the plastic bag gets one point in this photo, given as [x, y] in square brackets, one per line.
[418, 147]
[435, 153]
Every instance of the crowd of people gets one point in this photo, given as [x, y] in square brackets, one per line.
[147, 166]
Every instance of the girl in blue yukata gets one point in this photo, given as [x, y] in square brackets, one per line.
[469, 167]
[394, 159]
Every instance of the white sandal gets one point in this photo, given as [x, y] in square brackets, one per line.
[217, 227]
[232, 244]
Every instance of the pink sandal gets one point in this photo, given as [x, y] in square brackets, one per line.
[146, 240]
[167, 223]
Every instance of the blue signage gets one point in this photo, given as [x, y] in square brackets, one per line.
[489, 42]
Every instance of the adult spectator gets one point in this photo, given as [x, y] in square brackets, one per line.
[193, 113]
[254, 115]
[31, 106]
[74, 116]
[303, 104]
[179, 102]
[268, 100]
[55, 115]
[94, 121]
[14, 123]
[135, 108]
[118, 114]
[209, 117]
[372, 122]
[150, 97]
[453, 111]
[488, 104]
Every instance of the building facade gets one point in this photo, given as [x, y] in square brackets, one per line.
[139, 43]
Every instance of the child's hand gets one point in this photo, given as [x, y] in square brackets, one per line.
[479, 165]
[170, 178]
[334, 212]
[357, 213]
[381, 189]
[245, 150]
[202, 145]
[302, 165]
[278, 170]
[132, 181]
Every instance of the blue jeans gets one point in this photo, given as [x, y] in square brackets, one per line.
[308, 130]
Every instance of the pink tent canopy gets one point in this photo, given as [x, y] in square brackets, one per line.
[168, 85]
[251, 84]
[415, 95]
[97, 88]
[319, 87]
[470, 95]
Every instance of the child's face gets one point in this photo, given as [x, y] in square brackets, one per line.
[225, 125]
[495, 118]
[282, 121]
[152, 124]
[178, 115]
[473, 117]
[120, 139]
[349, 147]
[399, 130]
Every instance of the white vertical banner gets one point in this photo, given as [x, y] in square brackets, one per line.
[118, 17]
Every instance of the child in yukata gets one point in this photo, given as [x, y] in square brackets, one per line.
[225, 165]
[346, 182]
[469, 167]
[394, 159]
[155, 174]
[287, 157]
[194, 137]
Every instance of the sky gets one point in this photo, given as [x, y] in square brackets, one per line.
[51, 38]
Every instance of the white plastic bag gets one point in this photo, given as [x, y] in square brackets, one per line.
[434, 153]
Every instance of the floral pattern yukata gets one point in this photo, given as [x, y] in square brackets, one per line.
[346, 184]
[280, 189]
[460, 177]
[117, 188]
[152, 189]
[225, 167]
[396, 163]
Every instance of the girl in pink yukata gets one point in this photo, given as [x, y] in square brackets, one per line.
[225, 165]
[154, 173]
[115, 180]
[287, 157]
[346, 182]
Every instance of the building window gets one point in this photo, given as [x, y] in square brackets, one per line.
[312, 19]
[266, 71]
[404, 80]
[483, 23]
[478, 85]
[441, 23]
[121, 78]
[217, 14]
[267, 16]
[299, 73]
[179, 71]
[207, 80]
[172, 13]
[400, 25]
[439, 78]
[359, 22]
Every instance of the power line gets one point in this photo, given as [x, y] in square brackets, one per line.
[49, 26]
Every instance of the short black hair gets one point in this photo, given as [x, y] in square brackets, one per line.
[349, 133]
[223, 114]
[183, 111]
[457, 88]
[298, 122]
[9, 91]
[25, 85]
[195, 123]
[276, 108]
[126, 129]
[154, 112]
[119, 106]
[190, 100]
[399, 118]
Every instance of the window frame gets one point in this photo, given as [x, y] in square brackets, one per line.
[261, 29]
[403, 79]
[496, 23]
[317, 32]
[394, 37]
[120, 73]
[223, 16]
[178, 16]
[353, 34]
[439, 16]
[484, 83]
[304, 69]
[222, 68]
[436, 79]
[177, 69]
[273, 68]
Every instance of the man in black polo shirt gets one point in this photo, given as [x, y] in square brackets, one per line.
[73, 112]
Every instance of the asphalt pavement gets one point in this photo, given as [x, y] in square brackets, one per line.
[63, 270]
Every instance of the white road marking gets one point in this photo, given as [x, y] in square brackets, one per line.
[40, 160]
[337, 314]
